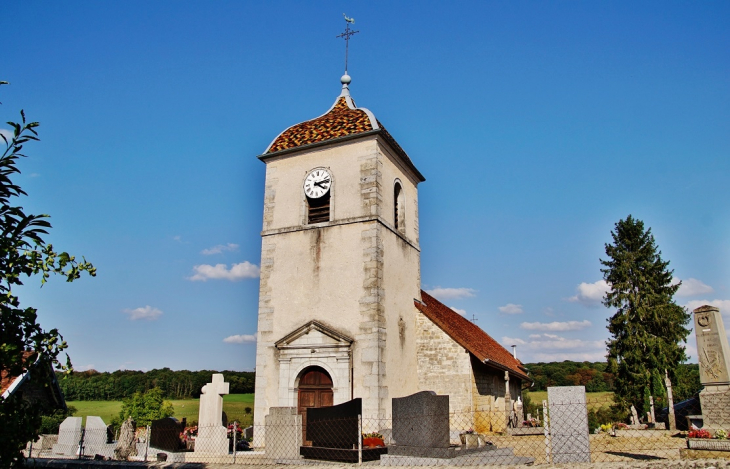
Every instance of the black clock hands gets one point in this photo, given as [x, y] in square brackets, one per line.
[319, 183]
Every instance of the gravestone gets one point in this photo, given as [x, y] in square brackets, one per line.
[248, 433]
[212, 435]
[713, 355]
[519, 412]
[126, 444]
[568, 424]
[69, 435]
[634, 417]
[96, 437]
[670, 401]
[421, 426]
[165, 434]
[283, 433]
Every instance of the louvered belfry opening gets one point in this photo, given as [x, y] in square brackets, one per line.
[318, 210]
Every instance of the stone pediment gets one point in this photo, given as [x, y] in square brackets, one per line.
[314, 334]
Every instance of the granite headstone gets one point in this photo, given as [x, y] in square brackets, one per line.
[421, 426]
[165, 434]
[569, 441]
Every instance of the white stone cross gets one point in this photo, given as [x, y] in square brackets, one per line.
[211, 401]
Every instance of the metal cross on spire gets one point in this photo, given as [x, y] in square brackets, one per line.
[346, 35]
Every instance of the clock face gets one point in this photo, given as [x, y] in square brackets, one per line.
[317, 183]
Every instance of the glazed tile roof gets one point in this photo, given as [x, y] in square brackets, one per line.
[470, 336]
[344, 119]
[340, 121]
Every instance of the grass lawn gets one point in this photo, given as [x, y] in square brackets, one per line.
[234, 405]
[595, 400]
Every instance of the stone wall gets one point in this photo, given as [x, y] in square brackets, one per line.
[443, 366]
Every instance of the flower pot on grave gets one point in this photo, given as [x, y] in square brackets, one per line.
[373, 442]
[469, 440]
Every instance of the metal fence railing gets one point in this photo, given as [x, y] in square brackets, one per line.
[555, 434]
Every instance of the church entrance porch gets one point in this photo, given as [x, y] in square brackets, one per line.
[314, 347]
[315, 390]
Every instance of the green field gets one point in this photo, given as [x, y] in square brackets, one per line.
[595, 400]
[234, 405]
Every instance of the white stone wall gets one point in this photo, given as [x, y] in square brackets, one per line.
[353, 274]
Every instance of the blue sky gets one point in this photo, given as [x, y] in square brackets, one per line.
[538, 125]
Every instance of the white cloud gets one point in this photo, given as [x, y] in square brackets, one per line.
[724, 305]
[692, 287]
[511, 308]
[219, 248]
[590, 294]
[556, 325]
[8, 134]
[148, 312]
[240, 271]
[451, 293]
[513, 340]
[460, 311]
[552, 347]
[240, 339]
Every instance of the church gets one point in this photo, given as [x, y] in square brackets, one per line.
[341, 310]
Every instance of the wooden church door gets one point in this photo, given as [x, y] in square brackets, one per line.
[315, 390]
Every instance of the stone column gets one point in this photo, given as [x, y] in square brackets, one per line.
[670, 401]
[507, 400]
[713, 355]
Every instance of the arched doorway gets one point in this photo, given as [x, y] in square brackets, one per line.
[315, 390]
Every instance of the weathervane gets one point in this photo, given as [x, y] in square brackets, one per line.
[346, 35]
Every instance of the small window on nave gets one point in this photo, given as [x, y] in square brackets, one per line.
[399, 208]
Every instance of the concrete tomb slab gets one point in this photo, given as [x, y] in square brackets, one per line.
[69, 435]
[283, 433]
[568, 424]
[97, 437]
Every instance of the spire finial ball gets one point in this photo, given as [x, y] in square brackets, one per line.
[345, 80]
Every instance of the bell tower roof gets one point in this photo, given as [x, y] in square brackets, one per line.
[343, 121]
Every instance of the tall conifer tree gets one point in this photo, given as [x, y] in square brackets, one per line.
[648, 328]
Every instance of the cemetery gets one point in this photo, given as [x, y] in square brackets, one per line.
[423, 430]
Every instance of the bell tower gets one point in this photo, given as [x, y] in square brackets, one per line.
[340, 264]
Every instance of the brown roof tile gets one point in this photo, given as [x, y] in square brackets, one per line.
[340, 121]
[470, 336]
[6, 379]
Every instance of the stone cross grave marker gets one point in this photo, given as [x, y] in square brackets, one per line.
[568, 424]
[69, 435]
[714, 355]
[670, 401]
[212, 435]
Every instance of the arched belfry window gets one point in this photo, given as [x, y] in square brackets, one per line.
[399, 209]
[317, 190]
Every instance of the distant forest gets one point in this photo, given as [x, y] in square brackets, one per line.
[95, 386]
[596, 378]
